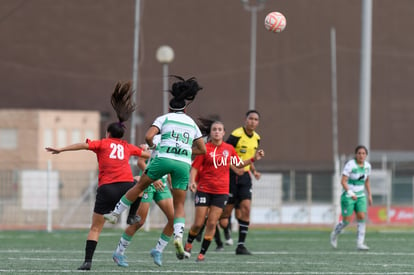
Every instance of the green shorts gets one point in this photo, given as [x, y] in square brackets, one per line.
[348, 205]
[178, 170]
[152, 194]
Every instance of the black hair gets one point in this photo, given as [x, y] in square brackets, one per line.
[361, 147]
[123, 104]
[252, 112]
[181, 91]
[205, 125]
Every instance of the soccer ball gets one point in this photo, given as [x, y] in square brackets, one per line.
[275, 22]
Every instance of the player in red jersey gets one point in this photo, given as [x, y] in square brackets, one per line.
[212, 189]
[115, 175]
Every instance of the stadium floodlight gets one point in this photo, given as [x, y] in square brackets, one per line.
[165, 55]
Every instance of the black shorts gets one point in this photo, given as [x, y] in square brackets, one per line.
[240, 188]
[208, 199]
[108, 195]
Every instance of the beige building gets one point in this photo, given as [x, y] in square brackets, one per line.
[25, 133]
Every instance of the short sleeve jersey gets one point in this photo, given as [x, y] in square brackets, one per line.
[244, 144]
[113, 158]
[214, 168]
[178, 132]
[357, 175]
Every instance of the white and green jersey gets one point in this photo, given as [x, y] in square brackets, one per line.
[178, 131]
[154, 153]
[357, 175]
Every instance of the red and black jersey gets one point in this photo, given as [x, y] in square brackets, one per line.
[214, 168]
[113, 157]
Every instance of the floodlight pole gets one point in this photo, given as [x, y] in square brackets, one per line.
[134, 118]
[336, 186]
[253, 7]
[165, 88]
[365, 81]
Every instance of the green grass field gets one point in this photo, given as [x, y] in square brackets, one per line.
[284, 251]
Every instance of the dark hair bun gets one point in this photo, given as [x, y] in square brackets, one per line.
[185, 89]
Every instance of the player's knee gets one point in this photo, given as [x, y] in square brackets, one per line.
[96, 229]
[360, 216]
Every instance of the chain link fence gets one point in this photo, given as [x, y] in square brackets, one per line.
[48, 199]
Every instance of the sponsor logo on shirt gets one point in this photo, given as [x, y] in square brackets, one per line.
[225, 159]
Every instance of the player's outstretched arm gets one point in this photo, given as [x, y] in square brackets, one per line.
[72, 147]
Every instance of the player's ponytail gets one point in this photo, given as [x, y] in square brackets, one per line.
[123, 104]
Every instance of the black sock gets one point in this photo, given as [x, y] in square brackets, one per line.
[217, 236]
[243, 228]
[204, 246]
[134, 207]
[200, 233]
[227, 232]
[191, 237]
[89, 250]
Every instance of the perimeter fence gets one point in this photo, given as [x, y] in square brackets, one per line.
[48, 199]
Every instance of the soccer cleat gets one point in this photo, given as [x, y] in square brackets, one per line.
[111, 217]
[362, 247]
[157, 256]
[120, 259]
[229, 241]
[219, 248]
[85, 266]
[188, 247]
[187, 255]
[334, 240]
[179, 249]
[242, 250]
[133, 219]
[200, 258]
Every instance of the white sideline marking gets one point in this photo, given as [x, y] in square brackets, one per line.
[330, 252]
[125, 271]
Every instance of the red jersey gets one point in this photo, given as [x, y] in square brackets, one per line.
[113, 158]
[214, 168]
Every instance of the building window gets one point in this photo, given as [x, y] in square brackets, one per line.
[48, 138]
[8, 138]
[61, 138]
[76, 136]
[89, 134]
